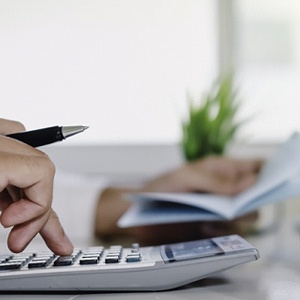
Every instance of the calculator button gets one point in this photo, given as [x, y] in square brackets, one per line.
[40, 261]
[135, 246]
[64, 261]
[112, 259]
[116, 247]
[11, 266]
[112, 253]
[22, 256]
[93, 250]
[37, 264]
[133, 257]
[15, 262]
[89, 260]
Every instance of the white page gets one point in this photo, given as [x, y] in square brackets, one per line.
[140, 214]
[282, 167]
[285, 191]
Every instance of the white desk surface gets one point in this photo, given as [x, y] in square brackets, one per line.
[275, 276]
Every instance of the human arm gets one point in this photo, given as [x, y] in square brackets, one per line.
[214, 174]
[26, 189]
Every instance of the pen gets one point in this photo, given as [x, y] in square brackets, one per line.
[49, 135]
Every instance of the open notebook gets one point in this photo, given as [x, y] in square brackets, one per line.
[278, 180]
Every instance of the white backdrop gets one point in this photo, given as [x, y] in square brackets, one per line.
[121, 67]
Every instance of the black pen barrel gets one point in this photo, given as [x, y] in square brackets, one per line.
[39, 137]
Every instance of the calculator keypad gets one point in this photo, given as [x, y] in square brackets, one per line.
[41, 260]
[90, 256]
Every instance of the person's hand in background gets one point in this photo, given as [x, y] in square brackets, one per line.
[215, 174]
[26, 190]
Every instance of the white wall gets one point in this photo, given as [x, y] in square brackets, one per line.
[121, 67]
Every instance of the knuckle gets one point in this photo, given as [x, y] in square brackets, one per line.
[49, 166]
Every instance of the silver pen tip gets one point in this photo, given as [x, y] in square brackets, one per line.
[72, 130]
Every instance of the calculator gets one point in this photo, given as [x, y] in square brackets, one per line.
[118, 268]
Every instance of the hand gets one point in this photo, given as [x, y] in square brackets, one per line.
[216, 174]
[26, 189]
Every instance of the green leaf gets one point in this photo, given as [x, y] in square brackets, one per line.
[211, 124]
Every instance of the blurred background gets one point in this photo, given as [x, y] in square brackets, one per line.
[123, 67]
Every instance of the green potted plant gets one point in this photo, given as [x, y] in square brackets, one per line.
[211, 124]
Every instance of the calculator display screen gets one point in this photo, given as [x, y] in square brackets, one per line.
[189, 250]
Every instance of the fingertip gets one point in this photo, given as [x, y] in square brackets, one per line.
[16, 245]
[65, 247]
[55, 236]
